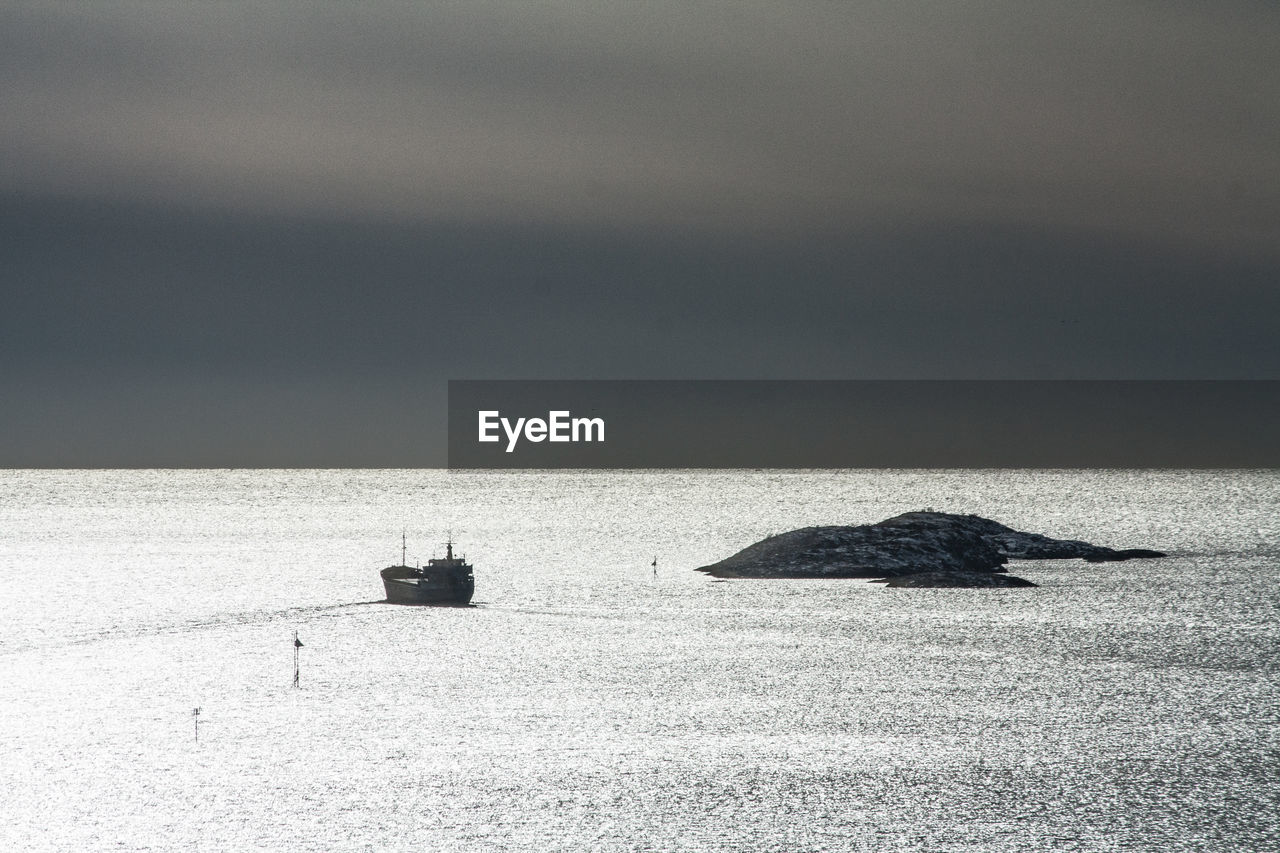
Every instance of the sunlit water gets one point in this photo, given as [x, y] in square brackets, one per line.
[584, 704]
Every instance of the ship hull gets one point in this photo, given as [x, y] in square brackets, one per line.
[452, 587]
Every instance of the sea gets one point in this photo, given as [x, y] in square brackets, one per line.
[590, 700]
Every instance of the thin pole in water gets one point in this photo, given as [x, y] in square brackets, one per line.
[195, 715]
[297, 644]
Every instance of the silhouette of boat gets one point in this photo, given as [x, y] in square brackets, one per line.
[447, 580]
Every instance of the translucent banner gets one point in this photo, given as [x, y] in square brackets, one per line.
[864, 424]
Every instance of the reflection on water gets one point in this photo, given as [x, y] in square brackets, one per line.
[584, 704]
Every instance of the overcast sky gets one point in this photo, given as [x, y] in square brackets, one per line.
[268, 233]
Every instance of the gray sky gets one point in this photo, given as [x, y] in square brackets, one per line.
[268, 233]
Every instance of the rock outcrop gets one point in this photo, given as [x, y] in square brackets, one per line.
[913, 543]
[964, 580]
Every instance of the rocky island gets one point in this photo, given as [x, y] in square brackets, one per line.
[910, 550]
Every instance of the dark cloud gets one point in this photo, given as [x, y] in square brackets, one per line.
[1148, 120]
[221, 203]
[132, 283]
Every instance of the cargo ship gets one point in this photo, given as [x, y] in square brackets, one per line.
[443, 581]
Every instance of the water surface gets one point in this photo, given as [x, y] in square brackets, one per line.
[583, 703]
